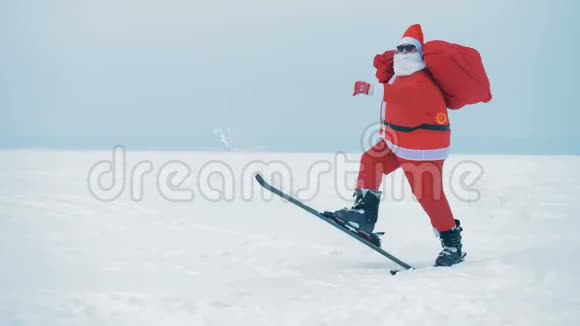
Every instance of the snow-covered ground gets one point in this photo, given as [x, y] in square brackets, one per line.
[229, 255]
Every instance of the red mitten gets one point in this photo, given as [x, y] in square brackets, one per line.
[362, 87]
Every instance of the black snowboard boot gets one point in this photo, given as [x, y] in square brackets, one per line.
[452, 252]
[365, 211]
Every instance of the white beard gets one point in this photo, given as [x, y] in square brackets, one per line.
[408, 63]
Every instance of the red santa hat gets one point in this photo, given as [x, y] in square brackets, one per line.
[413, 35]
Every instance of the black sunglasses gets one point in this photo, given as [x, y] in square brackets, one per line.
[408, 47]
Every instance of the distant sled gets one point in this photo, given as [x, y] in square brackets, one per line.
[365, 239]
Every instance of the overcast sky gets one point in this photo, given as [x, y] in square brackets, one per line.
[277, 74]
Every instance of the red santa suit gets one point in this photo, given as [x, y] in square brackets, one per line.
[415, 133]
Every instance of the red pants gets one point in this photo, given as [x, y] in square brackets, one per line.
[425, 178]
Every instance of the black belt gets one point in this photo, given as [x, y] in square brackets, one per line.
[423, 126]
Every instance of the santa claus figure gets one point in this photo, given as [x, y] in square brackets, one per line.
[415, 137]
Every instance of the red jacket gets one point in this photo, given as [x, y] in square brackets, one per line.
[415, 101]
[415, 120]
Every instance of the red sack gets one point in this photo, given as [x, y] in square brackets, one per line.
[457, 69]
[384, 64]
[459, 72]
